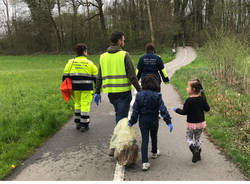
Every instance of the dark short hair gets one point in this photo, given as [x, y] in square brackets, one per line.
[80, 48]
[115, 36]
[150, 82]
[150, 47]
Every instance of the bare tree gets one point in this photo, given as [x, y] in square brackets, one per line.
[150, 22]
[59, 5]
[49, 6]
[99, 5]
[6, 4]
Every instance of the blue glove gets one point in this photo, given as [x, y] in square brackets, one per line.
[175, 109]
[130, 124]
[170, 126]
[97, 99]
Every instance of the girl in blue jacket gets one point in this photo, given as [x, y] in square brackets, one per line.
[147, 105]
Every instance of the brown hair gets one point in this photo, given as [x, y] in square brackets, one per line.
[197, 87]
[150, 82]
[115, 36]
[150, 47]
[80, 48]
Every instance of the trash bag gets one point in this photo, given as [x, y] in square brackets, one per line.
[66, 89]
[124, 142]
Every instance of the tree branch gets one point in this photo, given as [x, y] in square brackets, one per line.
[88, 19]
[87, 4]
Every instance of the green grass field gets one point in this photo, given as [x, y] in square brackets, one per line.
[32, 106]
[228, 120]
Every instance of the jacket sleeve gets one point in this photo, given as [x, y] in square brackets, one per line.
[94, 72]
[99, 80]
[130, 70]
[164, 112]
[135, 112]
[67, 70]
[183, 111]
[139, 68]
[206, 106]
[162, 71]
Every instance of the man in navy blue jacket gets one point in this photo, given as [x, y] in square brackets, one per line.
[151, 64]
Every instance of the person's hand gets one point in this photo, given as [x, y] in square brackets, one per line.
[175, 109]
[170, 126]
[97, 99]
[130, 124]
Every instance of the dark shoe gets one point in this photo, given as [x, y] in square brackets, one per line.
[78, 126]
[111, 152]
[86, 127]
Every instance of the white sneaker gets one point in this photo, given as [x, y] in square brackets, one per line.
[156, 155]
[145, 166]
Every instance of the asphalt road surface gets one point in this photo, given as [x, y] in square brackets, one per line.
[73, 155]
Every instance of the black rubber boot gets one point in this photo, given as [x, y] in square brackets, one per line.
[199, 155]
[195, 155]
[78, 126]
[192, 147]
[84, 127]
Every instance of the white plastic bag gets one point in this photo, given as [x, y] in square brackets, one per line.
[124, 142]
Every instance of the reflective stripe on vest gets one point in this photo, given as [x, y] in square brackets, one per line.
[82, 81]
[114, 78]
[79, 74]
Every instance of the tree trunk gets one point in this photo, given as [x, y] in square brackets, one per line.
[58, 36]
[74, 23]
[6, 4]
[209, 11]
[199, 8]
[223, 14]
[183, 8]
[102, 19]
[177, 5]
[89, 24]
[150, 22]
[60, 25]
[239, 16]
[101, 14]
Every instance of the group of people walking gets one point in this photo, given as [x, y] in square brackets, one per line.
[115, 76]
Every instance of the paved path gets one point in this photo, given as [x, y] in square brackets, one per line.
[72, 155]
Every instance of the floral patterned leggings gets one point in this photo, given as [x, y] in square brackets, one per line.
[193, 136]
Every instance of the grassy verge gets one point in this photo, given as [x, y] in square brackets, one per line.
[32, 107]
[228, 121]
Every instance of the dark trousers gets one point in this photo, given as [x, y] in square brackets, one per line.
[121, 103]
[146, 128]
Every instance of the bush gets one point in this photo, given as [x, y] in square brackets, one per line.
[230, 61]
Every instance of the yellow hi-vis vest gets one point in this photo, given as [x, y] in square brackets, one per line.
[114, 78]
[82, 73]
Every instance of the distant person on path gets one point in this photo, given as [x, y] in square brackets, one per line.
[150, 63]
[147, 105]
[173, 51]
[194, 108]
[116, 74]
[82, 73]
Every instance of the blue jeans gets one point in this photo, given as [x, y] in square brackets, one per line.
[121, 103]
[146, 128]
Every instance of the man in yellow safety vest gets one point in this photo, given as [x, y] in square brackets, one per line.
[116, 76]
[82, 73]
